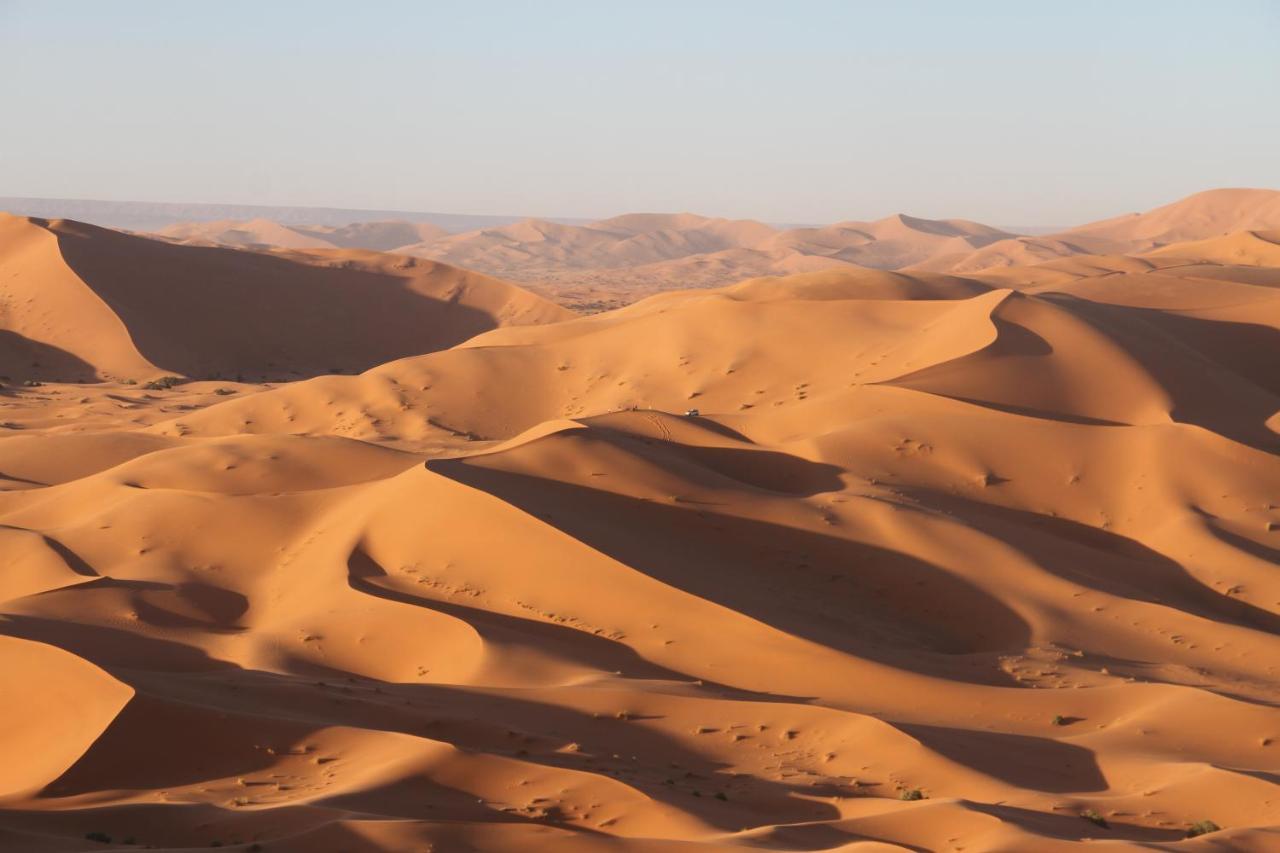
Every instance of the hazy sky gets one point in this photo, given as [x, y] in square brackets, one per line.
[1011, 113]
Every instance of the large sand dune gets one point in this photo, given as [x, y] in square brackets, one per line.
[980, 562]
[77, 302]
[1209, 215]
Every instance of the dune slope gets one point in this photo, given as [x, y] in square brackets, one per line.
[939, 563]
[77, 301]
[616, 261]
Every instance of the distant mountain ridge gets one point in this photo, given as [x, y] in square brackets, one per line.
[152, 216]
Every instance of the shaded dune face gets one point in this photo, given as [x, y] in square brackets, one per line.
[87, 301]
[944, 562]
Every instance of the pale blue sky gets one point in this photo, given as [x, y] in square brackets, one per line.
[1011, 112]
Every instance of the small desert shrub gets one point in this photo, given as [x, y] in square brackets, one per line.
[222, 392]
[1202, 827]
[1095, 818]
[32, 383]
[1059, 720]
[164, 383]
[100, 837]
[911, 794]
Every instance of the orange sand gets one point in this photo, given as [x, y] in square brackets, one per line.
[613, 262]
[1006, 539]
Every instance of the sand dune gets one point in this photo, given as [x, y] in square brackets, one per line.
[376, 236]
[614, 262]
[981, 562]
[82, 301]
[1007, 252]
[1251, 248]
[1207, 215]
[1213, 213]
[536, 246]
[263, 233]
[626, 257]
[892, 243]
